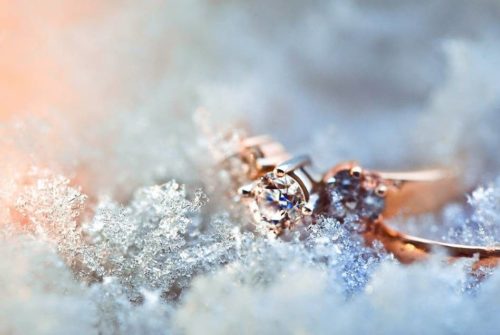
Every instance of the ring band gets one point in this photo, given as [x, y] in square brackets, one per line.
[408, 249]
[420, 191]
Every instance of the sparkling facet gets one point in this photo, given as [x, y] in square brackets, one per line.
[346, 184]
[352, 195]
[278, 199]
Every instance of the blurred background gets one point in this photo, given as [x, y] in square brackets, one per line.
[107, 90]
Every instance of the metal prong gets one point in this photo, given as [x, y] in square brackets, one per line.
[268, 164]
[331, 181]
[309, 206]
[307, 210]
[356, 171]
[291, 165]
[381, 190]
[246, 190]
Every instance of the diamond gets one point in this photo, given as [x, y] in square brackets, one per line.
[355, 195]
[373, 204]
[278, 200]
[346, 184]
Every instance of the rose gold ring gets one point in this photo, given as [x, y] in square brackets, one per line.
[282, 192]
[376, 196]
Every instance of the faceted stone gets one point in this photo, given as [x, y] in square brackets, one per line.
[278, 199]
[354, 196]
[346, 184]
[372, 204]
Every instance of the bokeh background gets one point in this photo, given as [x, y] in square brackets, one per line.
[98, 100]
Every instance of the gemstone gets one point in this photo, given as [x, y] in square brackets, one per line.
[278, 199]
[346, 184]
[372, 205]
[352, 195]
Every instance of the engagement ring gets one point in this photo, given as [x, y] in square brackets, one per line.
[283, 193]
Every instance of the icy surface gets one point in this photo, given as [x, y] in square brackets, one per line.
[115, 217]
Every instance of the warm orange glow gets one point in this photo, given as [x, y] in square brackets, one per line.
[33, 73]
[40, 79]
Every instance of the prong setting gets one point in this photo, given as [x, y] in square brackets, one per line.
[330, 181]
[278, 200]
[291, 165]
[280, 190]
[307, 209]
[357, 192]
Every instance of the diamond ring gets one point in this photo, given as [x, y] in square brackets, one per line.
[283, 193]
[375, 196]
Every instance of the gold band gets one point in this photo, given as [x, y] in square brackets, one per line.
[411, 193]
[409, 248]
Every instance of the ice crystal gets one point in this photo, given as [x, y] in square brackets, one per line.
[479, 222]
[36, 282]
[475, 222]
[344, 253]
[159, 241]
[485, 202]
[49, 207]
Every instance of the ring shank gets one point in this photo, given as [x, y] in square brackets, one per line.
[408, 249]
[411, 193]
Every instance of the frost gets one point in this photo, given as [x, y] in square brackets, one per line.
[475, 222]
[158, 241]
[482, 225]
[49, 207]
[344, 254]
